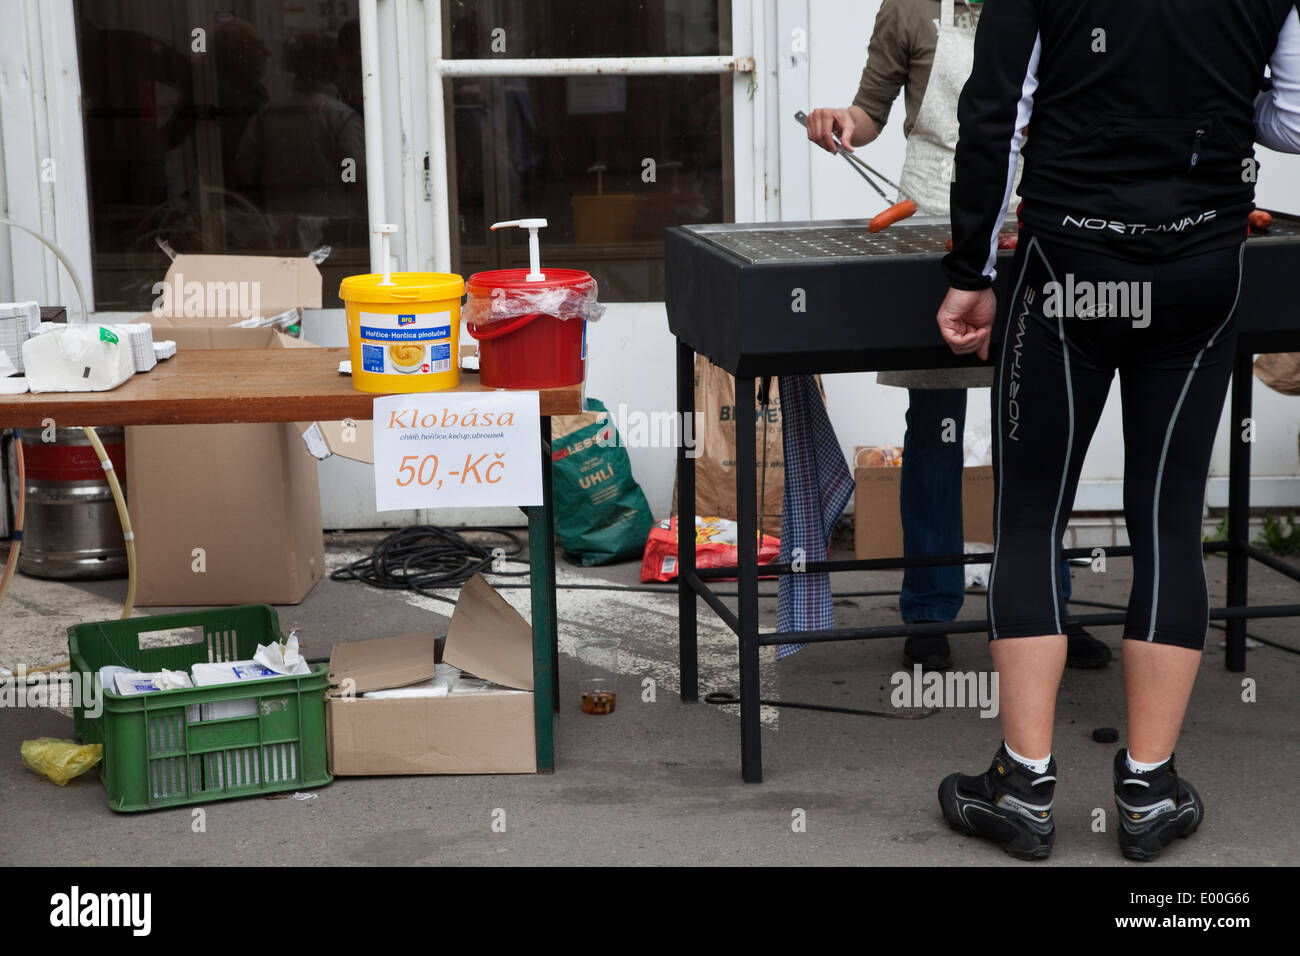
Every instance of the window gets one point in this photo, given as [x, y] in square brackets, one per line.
[238, 130]
[609, 160]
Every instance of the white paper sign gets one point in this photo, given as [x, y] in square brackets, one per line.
[457, 450]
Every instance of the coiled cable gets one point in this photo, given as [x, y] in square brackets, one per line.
[425, 558]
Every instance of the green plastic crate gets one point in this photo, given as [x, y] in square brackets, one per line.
[159, 753]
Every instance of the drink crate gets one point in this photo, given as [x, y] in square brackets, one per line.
[259, 737]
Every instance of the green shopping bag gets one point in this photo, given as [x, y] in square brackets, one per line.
[601, 514]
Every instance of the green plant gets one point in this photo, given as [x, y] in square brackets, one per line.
[1280, 537]
[1220, 533]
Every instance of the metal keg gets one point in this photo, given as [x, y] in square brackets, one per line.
[71, 528]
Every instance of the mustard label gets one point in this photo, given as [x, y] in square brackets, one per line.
[406, 343]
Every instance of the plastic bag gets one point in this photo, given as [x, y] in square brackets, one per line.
[877, 456]
[715, 547]
[574, 301]
[977, 447]
[283, 658]
[1280, 371]
[601, 514]
[60, 760]
[715, 447]
[977, 575]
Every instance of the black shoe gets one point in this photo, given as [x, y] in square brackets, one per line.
[1154, 808]
[1083, 650]
[1009, 804]
[931, 651]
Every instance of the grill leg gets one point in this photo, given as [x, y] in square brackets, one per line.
[1238, 511]
[687, 623]
[751, 752]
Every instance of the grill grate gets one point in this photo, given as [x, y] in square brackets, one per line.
[795, 242]
[787, 243]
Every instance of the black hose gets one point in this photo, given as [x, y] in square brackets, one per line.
[425, 558]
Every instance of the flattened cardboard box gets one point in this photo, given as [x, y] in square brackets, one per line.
[491, 732]
[247, 495]
[878, 525]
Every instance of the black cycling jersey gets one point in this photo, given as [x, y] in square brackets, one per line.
[1142, 117]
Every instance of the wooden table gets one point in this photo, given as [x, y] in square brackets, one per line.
[212, 386]
[209, 387]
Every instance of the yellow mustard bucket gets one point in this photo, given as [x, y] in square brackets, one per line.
[405, 335]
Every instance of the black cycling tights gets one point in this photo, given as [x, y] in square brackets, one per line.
[1073, 319]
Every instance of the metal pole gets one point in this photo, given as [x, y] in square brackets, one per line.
[548, 534]
[1238, 510]
[751, 745]
[433, 65]
[410, 176]
[372, 98]
[592, 66]
[687, 606]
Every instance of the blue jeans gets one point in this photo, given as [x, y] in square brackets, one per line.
[929, 501]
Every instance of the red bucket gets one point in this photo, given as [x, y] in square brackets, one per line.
[534, 349]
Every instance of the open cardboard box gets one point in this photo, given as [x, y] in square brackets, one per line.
[247, 495]
[486, 732]
[348, 439]
[878, 525]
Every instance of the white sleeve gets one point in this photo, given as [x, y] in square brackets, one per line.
[1277, 113]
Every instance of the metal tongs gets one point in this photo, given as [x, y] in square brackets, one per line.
[861, 168]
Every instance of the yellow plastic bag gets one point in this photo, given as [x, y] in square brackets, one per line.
[60, 760]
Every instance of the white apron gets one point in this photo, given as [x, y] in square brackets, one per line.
[929, 166]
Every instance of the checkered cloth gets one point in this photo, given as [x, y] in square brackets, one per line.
[817, 487]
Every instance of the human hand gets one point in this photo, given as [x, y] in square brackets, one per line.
[966, 321]
[826, 123]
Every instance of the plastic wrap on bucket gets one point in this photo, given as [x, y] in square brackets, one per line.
[531, 334]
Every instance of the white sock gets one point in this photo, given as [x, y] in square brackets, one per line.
[1135, 766]
[1037, 766]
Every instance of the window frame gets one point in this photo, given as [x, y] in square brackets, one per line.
[441, 72]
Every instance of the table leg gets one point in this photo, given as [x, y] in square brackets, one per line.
[751, 747]
[687, 603]
[548, 495]
[1238, 510]
[541, 554]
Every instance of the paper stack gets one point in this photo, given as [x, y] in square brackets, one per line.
[228, 672]
[18, 320]
[140, 335]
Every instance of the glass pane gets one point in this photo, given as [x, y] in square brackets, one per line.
[610, 161]
[246, 137]
[555, 28]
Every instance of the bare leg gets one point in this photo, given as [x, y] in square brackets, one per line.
[1029, 673]
[1158, 681]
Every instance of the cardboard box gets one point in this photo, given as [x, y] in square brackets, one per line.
[348, 439]
[246, 494]
[489, 732]
[877, 525]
